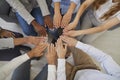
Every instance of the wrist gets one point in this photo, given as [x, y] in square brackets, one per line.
[30, 54]
[51, 63]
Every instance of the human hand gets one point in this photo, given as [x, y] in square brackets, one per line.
[39, 29]
[61, 49]
[48, 21]
[6, 34]
[70, 26]
[51, 55]
[57, 20]
[37, 51]
[69, 41]
[66, 19]
[71, 33]
[35, 40]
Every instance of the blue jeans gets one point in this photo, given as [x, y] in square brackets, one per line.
[29, 29]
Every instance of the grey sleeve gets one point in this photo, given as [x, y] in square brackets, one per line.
[6, 43]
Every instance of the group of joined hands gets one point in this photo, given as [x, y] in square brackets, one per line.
[59, 21]
[54, 51]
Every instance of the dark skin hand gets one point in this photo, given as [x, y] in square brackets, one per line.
[39, 29]
[48, 22]
[6, 34]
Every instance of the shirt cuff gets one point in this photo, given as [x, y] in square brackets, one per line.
[56, 0]
[78, 44]
[118, 16]
[51, 68]
[61, 65]
[76, 1]
[6, 43]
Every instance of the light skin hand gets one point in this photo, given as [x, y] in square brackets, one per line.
[57, 20]
[37, 51]
[51, 55]
[69, 41]
[35, 40]
[61, 49]
[66, 19]
[39, 29]
[70, 26]
[48, 21]
[72, 33]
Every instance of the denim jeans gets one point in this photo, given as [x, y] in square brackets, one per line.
[23, 72]
[29, 29]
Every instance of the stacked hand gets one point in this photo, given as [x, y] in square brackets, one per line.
[69, 41]
[38, 50]
[61, 49]
[39, 29]
[48, 22]
[35, 40]
[6, 34]
[51, 55]
[66, 19]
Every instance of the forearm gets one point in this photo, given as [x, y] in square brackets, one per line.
[13, 64]
[19, 7]
[71, 8]
[61, 74]
[51, 72]
[82, 8]
[57, 7]
[105, 26]
[20, 41]
[106, 61]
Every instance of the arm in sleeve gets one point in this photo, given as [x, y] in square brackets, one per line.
[106, 61]
[61, 74]
[51, 72]
[76, 1]
[6, 43]
[8, 68]
[118, 16]
[19, 7]
[56, 0]
[43, 7]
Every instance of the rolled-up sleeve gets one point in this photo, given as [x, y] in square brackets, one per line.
[56, 0]
[43, 7]
[6, 43]
[19, 7]
[118, 16]
[76, 1]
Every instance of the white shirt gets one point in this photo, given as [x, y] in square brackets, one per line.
[19, 7]
[6, 43]
[10, 66]
[103, 9]
[58, 74]
[107, 63]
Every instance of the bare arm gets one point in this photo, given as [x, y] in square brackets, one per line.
[82, 8]
[110, 23]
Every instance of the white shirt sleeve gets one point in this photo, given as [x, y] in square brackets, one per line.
[56, 0]
[13, 64]
[6, 43]
[118, 16]
[43, 7]
[76, 1]
[61, 71]
[19, 7]
[106, 61]
[51, 72]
